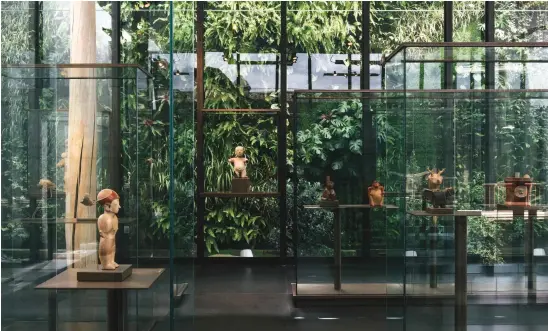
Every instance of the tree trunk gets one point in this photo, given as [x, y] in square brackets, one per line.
[81, 174]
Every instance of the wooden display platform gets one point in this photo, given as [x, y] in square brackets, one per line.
[418, 290]
[456, 213]
[363, 206]
[140, 279]
[240, 195]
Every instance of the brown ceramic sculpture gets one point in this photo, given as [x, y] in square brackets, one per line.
[376, 194]
[438, 197]
[329, 198]
[108, 226]
[518, 190]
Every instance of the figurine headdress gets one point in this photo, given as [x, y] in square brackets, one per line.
[107, 196]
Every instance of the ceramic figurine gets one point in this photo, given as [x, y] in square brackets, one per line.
[87, 201]
[46, 183]
[439, 198]
[239, 161]
[329, 191]
[518, 190]
[329, 198]
[108, 226]
[435, 178]
[376, 194]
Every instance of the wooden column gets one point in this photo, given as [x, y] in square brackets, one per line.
[81, 174]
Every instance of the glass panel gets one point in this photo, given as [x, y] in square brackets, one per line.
[329, 131]
[514, 67]
[391, 25]
[41, 196]
[183, 139]
[242, 72]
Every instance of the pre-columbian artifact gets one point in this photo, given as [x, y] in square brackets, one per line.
[239, 161]
[108, 226]
[518, 190]
[439, 198]
[329, 198]
[240, 182]
[376, 194]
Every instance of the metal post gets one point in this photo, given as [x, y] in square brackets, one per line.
[490, 119]
[200, 175]
[282, 134]
[369, 151]
[529, 256]
[52, 310]
[460, 273]
[115, 137]
[337, 249]
[34, 123]
[116, 310]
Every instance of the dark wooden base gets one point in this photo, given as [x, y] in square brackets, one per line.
[328, 203]
[241, 185]
[100, 275]
[514, 205]
[432, 210]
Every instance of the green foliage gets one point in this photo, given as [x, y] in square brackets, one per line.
[485, 238]
[332, 140]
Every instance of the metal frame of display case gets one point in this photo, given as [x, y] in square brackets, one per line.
[201, 112]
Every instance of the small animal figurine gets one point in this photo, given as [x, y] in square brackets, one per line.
[329, 191]
[435, 178]
[46, 183]
[376, 194]
[239, 161]
[63, 161]
[87, 201]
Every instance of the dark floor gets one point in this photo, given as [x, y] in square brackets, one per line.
[221, 297]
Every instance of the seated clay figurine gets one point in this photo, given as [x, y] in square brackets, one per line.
[329, 191]
[239, 161]
[376, 194]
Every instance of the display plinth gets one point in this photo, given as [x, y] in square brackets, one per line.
[444, 211]
[241, 185]
[99, 275]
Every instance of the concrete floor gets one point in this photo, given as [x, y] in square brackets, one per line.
[221, 297]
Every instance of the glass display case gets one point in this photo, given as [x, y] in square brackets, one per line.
[355, 247]
[464, 169]
[69, 131]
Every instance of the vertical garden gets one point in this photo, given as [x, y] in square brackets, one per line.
[242, 70]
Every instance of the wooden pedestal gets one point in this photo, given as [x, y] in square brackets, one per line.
[99, 275]
[241, 185]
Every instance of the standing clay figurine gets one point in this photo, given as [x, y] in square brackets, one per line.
[376, 194]
[239, 161]
[108, 226]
